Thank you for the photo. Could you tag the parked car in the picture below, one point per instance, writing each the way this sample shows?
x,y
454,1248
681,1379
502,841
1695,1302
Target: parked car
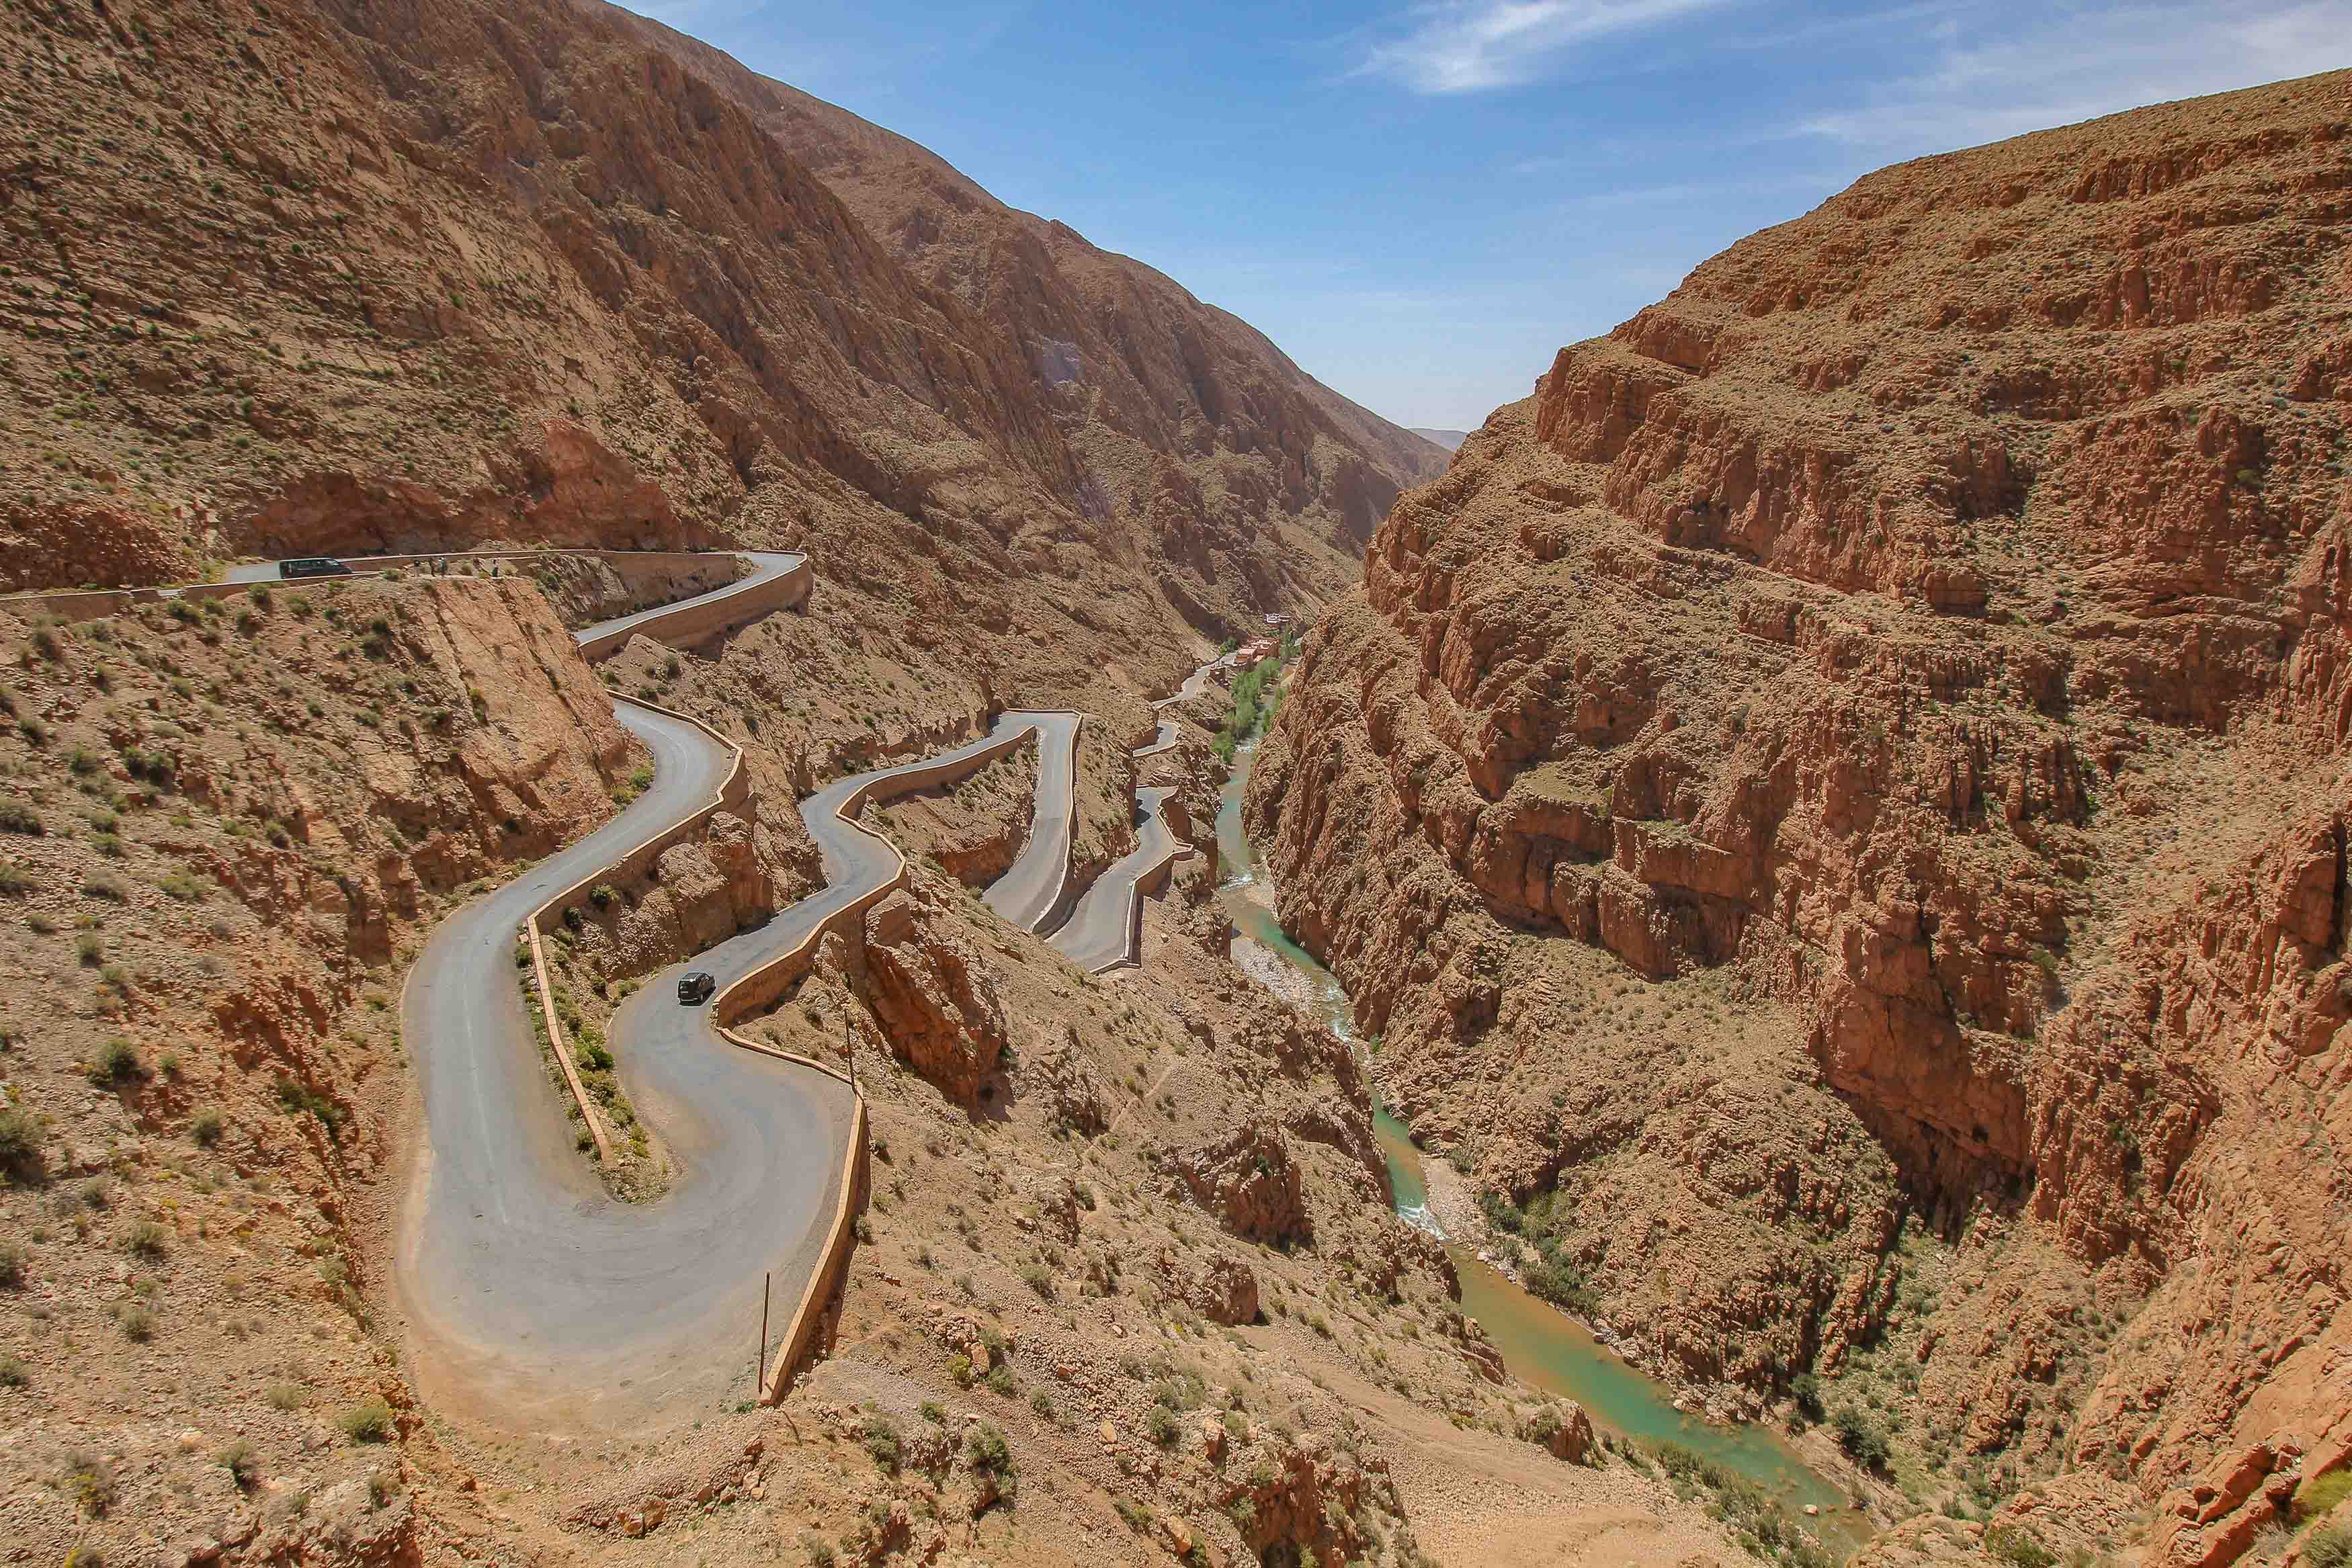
x,y
313,566
695,986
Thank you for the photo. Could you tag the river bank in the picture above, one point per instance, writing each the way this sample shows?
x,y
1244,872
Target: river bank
x,y
1539,1344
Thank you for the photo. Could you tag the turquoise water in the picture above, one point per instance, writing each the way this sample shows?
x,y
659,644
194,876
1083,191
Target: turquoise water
x,y
1540,1344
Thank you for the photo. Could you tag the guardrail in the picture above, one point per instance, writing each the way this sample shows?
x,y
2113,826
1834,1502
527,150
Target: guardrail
x,y
757,988
90,603
1058,908
1151,880
732,792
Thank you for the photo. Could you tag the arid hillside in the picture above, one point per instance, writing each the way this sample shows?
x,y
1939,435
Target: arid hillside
x,y
334,276
1836,805
1185,418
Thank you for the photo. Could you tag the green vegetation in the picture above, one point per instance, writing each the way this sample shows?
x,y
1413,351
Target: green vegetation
x,y
297,1099
2315,1498
1160,1426
92,1481
2008,1544
244,1466
1257,693
20,1145
206,1125
369,1421
147,1240
882,1441
15,817
117,1062
1554,1277
987,1452
1761,1526
1865,1441
2328,1547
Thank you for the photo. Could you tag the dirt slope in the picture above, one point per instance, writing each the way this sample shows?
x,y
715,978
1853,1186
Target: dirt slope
x,y
1889,695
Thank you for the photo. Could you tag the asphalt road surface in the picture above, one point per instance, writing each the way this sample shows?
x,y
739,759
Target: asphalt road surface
x,y
1033,891
765,565
541,1299
1098,935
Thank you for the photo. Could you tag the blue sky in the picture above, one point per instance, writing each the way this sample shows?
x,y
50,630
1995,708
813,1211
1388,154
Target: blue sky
x,y
1422,201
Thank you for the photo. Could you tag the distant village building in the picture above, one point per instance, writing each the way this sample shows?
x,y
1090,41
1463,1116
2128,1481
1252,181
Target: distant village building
x,y
1249,653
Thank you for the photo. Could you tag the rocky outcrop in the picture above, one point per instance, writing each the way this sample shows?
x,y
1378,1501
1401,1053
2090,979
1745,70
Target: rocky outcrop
x,y
698,894
1219,1287
934,997
1562,1429
1249,1181
75,545
1314,1498
1061,1070
1861,746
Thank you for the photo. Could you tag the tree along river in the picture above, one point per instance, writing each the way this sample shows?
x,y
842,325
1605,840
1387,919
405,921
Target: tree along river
x,y
1539,1344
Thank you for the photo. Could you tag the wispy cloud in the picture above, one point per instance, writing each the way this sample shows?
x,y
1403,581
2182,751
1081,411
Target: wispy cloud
x,y
1709,193
1472,46
1995,70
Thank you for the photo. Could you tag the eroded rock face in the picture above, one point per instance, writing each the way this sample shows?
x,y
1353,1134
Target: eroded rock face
x,y
1063,1071
700,894
1249,1180
77,545
1864,741
1220,1288
1564,1430
932,994
1312,1499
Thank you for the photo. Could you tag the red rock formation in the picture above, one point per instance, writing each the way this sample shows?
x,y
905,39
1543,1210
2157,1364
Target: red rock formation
x,y
1865,739
934,997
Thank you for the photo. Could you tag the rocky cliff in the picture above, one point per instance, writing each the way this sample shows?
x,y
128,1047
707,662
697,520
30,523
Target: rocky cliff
x,y
1837,802
337,277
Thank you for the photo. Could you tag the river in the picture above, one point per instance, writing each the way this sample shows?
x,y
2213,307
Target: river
x,y
1539,1344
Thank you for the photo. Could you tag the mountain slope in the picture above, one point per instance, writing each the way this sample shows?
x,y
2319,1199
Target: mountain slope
x,y
1184,416
1836,803
429,272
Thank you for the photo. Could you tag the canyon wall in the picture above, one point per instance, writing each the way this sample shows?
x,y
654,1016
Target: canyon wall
x,y
1836,803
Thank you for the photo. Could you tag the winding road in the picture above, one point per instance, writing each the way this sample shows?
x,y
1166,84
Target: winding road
x,y
1101,933
541,1299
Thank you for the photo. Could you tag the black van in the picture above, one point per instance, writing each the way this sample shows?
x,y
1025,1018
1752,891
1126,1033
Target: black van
x,y
695,986
313,566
